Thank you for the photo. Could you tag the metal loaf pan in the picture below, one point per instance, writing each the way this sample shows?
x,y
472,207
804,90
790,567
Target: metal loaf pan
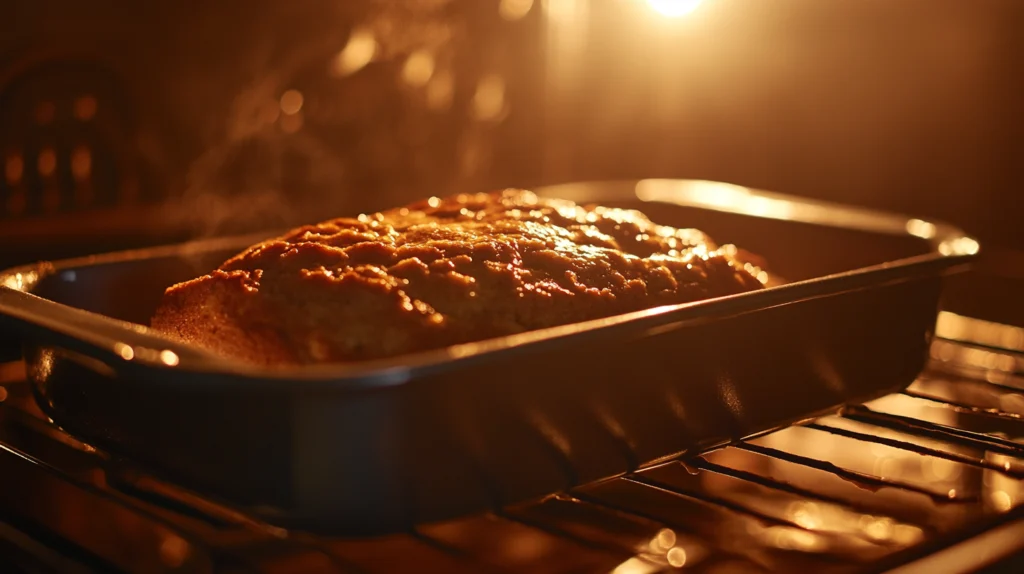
x,y
372,447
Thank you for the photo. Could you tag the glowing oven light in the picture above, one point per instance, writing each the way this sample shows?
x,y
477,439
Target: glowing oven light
x,y
674,8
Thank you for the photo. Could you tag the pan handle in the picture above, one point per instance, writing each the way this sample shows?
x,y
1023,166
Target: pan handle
x,y
32,318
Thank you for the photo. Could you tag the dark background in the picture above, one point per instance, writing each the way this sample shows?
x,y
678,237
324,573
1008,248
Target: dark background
x,y
910,106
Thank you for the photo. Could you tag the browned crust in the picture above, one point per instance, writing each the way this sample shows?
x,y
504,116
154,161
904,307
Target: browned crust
x,y
442,272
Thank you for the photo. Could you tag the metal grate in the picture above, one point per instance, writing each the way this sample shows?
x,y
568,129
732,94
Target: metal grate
x,y
869,488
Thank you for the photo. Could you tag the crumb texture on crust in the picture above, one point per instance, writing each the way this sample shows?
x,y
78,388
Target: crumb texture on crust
x,y
440,272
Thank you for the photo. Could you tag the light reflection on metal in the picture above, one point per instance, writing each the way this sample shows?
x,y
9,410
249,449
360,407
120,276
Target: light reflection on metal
x,y
746,201
1001,493
880,529
1012,403
555,437
959,246
922,229
826,371
44,367
754,270
676,557
357,53
1001,500
674,8
636,565
675,405
960,328
610,423
663,541
713,194
126,351
906,535
169,358
805,514
998,366
789,538
18,281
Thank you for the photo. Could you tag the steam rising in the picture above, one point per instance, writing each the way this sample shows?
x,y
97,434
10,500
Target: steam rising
x,y
300,143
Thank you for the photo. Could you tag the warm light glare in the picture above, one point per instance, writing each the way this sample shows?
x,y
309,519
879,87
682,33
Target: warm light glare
x,y
960,328
676,557
127,353
674,8
291,102
418,68
1001,500
360,50
959,246
636,565
169,358
920,228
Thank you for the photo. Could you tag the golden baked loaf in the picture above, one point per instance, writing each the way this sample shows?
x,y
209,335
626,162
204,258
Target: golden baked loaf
x,y
441,272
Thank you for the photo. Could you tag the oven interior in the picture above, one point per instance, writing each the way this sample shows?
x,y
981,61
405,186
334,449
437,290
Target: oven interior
x,y
131,124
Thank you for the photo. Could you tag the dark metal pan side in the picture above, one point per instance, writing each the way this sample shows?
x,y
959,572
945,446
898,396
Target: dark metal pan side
x,y
373,447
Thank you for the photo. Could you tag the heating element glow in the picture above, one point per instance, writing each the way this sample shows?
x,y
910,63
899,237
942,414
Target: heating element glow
x,y
674,8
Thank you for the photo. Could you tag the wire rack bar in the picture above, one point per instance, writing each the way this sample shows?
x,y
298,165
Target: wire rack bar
x,y
933,430
920,449
862,479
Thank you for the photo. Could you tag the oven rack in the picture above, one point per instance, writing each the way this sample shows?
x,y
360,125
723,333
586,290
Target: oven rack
x,y
912,477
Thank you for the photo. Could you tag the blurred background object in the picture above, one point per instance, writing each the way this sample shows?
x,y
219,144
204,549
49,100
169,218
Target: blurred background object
x,y
125,123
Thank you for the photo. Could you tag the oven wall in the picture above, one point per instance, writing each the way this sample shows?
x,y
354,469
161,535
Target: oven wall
x,y
912,106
